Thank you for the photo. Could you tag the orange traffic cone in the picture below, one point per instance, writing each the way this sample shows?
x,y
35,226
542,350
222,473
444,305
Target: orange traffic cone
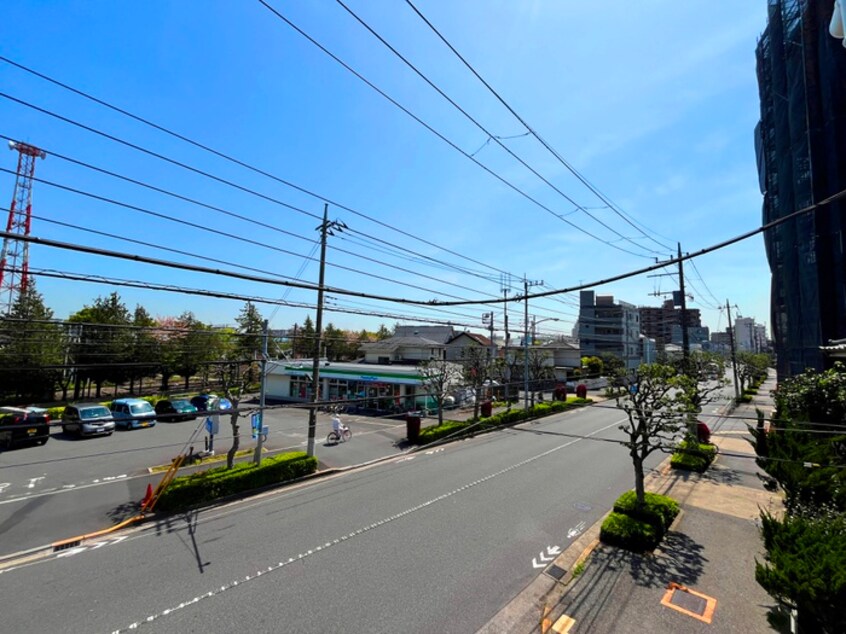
x,y
148,496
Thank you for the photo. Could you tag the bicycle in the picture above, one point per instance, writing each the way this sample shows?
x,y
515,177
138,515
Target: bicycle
x,y
335,437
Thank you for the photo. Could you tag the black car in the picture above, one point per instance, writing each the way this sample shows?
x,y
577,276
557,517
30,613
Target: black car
x,y
20,426
177,409
208,402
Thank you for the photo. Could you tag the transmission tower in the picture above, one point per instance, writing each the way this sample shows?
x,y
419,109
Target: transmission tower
x,y
14,258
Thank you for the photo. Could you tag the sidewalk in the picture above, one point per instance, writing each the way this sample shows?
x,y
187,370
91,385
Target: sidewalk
x,y
710,551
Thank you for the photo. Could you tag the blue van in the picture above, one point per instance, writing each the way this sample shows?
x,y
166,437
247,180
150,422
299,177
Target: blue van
x,y
132,413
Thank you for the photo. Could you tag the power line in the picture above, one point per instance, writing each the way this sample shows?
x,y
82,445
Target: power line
x,y
241,163
500,178
531,131
489,134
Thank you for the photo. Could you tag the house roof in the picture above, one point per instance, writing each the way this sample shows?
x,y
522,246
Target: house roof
x,y
480,339
561,345
393,343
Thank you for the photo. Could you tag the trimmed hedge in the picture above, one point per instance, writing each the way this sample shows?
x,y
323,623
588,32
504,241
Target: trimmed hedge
x,y
693,456
206,486
659,511
508,417
436,432
743,398
626,532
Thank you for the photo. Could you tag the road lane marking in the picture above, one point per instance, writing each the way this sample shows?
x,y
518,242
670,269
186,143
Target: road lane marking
x,y
285,562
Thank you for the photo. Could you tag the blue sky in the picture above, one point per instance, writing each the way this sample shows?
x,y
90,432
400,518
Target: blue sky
x,y
655,103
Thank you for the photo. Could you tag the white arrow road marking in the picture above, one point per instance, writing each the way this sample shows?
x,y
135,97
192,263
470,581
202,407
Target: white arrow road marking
x,y
544,557
72,551
431,451
4,486
553,550
32,482
576,530
535,564
406,458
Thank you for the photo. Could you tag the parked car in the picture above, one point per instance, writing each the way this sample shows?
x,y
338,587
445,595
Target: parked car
x,y
209,402
87,419
23,425
177,409
132,413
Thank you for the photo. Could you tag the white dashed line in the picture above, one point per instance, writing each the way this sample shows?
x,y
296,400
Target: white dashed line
x,y
413,509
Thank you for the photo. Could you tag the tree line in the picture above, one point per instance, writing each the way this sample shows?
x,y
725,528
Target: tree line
x,y
105,342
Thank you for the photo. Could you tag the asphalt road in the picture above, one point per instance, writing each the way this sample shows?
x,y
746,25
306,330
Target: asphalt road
x,y
73,486
435,541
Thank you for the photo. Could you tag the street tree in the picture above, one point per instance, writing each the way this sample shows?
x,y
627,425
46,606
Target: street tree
x,y
705,372
656,410
540,370
438,377
477,370
234,379
751,365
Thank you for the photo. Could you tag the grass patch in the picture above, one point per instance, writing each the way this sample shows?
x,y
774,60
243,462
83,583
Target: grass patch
x,y
693,456
206,486
578,569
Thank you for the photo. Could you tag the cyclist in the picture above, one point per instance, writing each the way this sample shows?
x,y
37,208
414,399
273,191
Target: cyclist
x,y
337,426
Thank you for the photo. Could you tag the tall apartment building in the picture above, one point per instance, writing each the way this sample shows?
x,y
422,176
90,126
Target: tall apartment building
x,y
609,327
750,336
658,323
800,142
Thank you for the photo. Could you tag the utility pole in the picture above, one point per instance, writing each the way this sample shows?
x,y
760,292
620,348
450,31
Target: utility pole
x,y
488,320
325,229
733,352
262,395
504,285
526,285
685,333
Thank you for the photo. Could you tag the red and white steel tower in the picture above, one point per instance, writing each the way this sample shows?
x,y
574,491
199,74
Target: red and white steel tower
x,y
14,258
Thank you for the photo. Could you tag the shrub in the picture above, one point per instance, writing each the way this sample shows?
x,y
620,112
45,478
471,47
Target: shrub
x,y
436,432
693,456
659,511
743,398
626,532
206,486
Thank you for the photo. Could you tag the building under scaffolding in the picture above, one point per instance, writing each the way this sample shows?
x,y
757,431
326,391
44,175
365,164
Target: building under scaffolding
x,y
801,148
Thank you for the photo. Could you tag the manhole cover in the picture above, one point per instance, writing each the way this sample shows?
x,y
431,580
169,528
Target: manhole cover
x,y
555,572
582,506
689,602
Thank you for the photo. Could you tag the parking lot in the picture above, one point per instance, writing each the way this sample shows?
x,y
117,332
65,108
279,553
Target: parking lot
x,y
73,485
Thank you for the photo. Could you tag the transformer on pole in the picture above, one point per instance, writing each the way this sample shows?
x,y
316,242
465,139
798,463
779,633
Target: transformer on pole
x,y
14,258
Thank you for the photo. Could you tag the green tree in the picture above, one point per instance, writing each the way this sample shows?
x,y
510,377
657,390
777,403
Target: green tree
x,y
29,344
612,365
806,549
384,333
305,339
103,350
656,410
144,349
804,568
250,327
592,367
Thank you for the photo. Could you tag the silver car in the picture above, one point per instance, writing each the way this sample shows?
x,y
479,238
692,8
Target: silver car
x,y
87,419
